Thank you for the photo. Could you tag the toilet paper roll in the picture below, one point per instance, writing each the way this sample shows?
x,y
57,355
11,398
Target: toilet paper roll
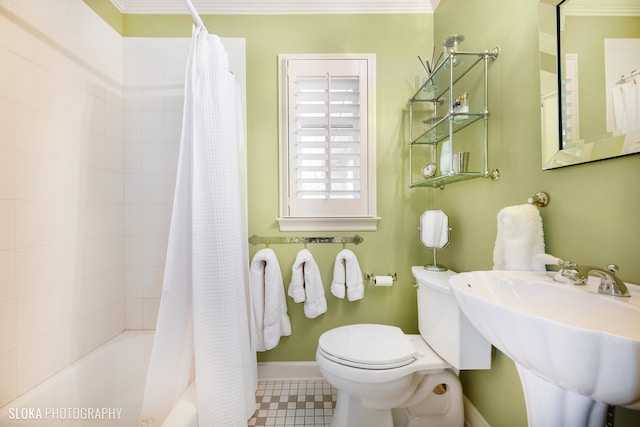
x,y
382,280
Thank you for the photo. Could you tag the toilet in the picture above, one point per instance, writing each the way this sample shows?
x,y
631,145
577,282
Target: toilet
x,y
386,378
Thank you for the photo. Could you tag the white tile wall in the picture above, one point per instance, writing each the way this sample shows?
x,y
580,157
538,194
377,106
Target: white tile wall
x,y
90,127
154,83
62,227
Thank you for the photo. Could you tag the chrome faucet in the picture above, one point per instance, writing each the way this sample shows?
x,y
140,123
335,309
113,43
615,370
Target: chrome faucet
x,y
610,284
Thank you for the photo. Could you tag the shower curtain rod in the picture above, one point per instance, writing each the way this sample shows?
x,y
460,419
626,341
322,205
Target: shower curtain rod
x,y
623,78
194,13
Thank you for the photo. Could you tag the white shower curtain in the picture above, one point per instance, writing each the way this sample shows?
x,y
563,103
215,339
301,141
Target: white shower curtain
x,y
203,324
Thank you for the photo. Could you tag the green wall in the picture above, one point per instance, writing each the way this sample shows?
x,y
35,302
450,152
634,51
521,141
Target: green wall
x,y
594,209
593,214
394,247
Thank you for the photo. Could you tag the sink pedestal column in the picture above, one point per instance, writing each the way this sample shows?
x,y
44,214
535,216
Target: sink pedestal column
x,y
551,406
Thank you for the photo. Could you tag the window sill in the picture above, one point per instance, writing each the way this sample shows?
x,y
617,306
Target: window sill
x,y
328,224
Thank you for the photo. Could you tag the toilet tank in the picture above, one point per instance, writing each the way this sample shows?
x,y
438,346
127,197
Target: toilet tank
x,y
443,325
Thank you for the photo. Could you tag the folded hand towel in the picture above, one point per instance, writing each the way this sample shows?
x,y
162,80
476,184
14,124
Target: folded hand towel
x,y
306,285
296,286
519,239
346,271
339,278
269,303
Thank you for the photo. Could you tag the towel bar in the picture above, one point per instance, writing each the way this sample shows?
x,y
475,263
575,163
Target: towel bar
x,y
258,240
540,199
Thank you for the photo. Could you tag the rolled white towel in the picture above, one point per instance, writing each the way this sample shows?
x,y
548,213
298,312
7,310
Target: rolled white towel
x,y
296,286
339,278
306,285
346,271
269,304
519,239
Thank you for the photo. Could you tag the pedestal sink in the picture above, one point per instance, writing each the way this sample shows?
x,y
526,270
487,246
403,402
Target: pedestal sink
x,y
576,351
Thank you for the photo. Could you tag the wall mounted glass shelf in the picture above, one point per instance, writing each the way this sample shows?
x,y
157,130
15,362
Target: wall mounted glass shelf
x,y
442,79
440,129
432,128
440,181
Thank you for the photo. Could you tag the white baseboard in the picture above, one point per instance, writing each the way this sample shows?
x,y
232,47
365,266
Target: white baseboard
x,y
288,370
473,418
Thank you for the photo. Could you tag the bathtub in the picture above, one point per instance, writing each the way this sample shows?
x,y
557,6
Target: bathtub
x,y
104,388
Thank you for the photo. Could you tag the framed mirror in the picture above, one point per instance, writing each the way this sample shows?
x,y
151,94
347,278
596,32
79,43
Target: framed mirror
x,y
589,80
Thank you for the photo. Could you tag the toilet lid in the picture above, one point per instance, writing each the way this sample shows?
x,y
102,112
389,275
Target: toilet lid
x,y
368,346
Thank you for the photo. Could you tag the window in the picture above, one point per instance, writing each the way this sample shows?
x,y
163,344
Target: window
x,y
327,139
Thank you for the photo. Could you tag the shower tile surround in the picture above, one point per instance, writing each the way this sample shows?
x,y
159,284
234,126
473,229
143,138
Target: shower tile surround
x,y
89,142
153,98
88,151
62,241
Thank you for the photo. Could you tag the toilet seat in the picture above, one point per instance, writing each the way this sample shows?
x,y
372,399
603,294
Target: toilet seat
x,y
367,346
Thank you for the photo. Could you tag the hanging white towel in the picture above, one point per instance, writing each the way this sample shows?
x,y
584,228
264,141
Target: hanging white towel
x,y
346,271
306,285
626,106
519,239
269,303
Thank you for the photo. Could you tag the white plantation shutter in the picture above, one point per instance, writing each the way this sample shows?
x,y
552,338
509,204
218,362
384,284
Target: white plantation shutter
x,y
328,155
326,135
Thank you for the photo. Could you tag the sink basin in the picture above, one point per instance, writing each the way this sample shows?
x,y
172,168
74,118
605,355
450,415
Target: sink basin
x,y
576,351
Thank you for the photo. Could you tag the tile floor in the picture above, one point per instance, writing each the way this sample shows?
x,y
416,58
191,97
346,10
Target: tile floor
x,y
308,403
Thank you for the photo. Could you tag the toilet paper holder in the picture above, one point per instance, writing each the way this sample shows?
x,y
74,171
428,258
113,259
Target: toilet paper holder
x,y
371,277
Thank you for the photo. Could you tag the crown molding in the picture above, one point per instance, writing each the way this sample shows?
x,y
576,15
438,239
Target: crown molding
x,y
276,7
284,7
548,43
119,4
